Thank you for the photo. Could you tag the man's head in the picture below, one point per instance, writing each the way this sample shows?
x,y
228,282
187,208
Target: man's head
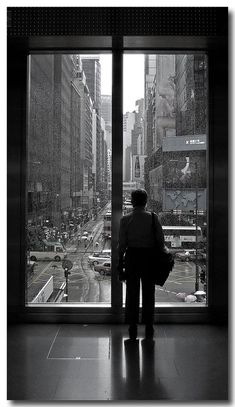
x,y
139,197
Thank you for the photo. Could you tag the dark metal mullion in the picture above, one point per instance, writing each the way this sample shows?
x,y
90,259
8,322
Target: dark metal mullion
x,y
117,159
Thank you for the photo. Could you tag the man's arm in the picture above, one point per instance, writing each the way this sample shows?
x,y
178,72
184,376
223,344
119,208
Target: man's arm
x,y
159,233
122,245
122,241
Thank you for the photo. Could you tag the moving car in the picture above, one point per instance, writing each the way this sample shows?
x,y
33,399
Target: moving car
x,y
103,268
84,236
97,258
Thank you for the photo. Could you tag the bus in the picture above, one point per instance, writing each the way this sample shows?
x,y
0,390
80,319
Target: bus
x,y
182,237
107,225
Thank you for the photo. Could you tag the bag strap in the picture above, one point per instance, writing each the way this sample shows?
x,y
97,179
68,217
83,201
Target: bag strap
x,y
127,226
154,228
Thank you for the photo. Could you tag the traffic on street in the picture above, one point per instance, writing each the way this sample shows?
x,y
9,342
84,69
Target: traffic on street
x,y
89,280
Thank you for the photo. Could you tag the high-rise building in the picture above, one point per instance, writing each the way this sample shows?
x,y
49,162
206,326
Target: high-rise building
x,y
106,109
60,140
83,195
179,123
159,115
191,94
62,122
128,164
109,165
49,143
150,68
138,128
76,168
163,100
41,181
103,184
92,69
128,126
106,113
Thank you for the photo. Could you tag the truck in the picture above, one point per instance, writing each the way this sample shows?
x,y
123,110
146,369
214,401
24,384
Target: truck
x,y
48,251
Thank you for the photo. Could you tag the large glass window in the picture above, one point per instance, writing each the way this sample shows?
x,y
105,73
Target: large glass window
x,y
165,134
69,159
69,179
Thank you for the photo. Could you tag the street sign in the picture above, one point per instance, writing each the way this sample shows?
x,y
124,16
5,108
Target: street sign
x,y
67,264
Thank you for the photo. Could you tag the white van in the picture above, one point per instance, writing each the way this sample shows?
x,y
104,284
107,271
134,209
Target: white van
x,y
50,251
106,251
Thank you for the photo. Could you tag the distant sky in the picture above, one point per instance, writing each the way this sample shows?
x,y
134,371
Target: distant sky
x,y
133,78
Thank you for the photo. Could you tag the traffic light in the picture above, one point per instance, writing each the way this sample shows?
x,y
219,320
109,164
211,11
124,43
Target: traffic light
x,y
66,273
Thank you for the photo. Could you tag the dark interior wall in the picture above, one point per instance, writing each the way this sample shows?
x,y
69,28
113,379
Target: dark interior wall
x,y
16,132
34,29
218,183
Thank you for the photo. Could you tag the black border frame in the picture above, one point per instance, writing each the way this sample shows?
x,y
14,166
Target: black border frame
x,y
210,37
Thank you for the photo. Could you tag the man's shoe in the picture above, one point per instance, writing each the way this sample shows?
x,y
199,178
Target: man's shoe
x,y
149,331
133,332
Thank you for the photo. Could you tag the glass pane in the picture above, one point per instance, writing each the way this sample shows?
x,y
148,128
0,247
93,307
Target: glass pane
x,y
69,179
165,130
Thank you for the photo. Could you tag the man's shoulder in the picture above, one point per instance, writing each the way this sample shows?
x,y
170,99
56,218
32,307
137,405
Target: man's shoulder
x,y
149,213
154,214
127,217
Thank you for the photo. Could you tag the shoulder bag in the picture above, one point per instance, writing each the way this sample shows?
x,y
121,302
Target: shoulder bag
x,y
162,259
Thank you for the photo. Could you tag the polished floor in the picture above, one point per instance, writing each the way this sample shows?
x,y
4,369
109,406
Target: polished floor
x,y
98,362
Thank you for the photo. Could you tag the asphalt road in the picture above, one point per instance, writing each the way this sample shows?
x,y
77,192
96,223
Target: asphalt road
x,y
87,286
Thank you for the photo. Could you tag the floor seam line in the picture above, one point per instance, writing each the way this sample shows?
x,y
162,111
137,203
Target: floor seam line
x,y
53,343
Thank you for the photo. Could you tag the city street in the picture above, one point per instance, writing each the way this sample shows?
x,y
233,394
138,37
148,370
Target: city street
x,y
87,286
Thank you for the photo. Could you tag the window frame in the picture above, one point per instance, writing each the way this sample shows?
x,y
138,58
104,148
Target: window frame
x,y
216,49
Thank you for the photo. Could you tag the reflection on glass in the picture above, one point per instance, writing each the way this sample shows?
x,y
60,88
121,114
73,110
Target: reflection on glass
x,y
165,127
69,179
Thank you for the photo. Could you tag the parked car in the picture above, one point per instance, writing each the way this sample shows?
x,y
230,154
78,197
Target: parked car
x,y
97,258
186,255
103,268
189,255
106,251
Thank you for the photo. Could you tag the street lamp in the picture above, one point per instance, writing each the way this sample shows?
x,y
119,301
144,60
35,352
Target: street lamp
x,y
196,219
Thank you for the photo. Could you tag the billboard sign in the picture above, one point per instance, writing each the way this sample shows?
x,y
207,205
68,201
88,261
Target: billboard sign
x,y
138,167
155,184
184,199
185,170
185,143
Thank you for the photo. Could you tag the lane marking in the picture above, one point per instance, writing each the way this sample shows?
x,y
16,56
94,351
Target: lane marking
x,y
43,271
